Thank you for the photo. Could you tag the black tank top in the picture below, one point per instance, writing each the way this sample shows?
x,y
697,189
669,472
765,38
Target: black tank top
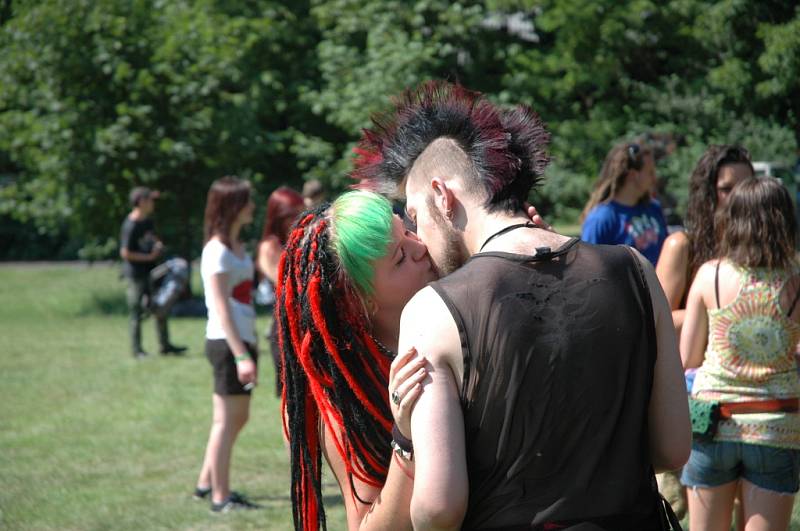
x,y
559,354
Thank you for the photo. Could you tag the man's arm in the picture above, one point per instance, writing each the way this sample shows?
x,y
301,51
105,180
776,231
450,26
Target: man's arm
x,y
439,500
133,256
670,431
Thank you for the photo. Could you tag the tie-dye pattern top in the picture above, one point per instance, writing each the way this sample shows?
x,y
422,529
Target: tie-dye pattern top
x,y
751,356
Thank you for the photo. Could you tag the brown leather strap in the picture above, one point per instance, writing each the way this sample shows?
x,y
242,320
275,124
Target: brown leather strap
x,y
787,405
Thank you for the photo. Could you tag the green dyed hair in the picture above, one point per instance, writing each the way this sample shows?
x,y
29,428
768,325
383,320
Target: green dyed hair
x,y
361,225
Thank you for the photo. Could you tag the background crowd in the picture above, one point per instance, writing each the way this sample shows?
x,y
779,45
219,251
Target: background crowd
x,y
657,115
744,224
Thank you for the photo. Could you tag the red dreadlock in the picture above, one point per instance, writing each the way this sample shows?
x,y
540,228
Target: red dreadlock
x,y
333,370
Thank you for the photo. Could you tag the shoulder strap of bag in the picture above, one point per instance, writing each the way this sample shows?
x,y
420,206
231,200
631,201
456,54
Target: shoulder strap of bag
x,y
669,520
794,303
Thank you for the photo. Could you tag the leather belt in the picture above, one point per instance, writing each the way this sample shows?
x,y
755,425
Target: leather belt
x,y
786,405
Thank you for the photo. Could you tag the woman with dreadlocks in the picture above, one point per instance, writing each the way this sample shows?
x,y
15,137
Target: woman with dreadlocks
x,y
347,271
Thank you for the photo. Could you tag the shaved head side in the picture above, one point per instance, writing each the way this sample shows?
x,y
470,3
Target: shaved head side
x,y
444,158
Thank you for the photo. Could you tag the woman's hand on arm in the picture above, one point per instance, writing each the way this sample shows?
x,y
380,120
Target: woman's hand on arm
x,y
390,506
245,367
405,384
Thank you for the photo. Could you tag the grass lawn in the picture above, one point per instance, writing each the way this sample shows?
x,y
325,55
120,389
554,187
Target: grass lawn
x,y
92,439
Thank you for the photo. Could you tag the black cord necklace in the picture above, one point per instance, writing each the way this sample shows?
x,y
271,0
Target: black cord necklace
x,y
502,231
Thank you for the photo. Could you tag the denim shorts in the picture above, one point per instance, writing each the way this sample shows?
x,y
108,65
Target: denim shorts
x,y
716,463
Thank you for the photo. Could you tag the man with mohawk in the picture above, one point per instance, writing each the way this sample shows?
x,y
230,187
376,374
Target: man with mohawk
x,y
555,387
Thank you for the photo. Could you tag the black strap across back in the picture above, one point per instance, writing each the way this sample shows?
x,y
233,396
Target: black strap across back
x,y
716,292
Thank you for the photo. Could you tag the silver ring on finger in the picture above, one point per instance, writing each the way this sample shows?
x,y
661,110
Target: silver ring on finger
x,y
395,397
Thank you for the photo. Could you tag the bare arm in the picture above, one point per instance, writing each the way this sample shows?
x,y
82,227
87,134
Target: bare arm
x,y
437,425
269,256
218,283
386,508
668,413
695,331
131,256
673,264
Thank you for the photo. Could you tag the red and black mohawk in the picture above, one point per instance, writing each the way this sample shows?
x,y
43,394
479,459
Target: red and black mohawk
x,y
334,374
507,148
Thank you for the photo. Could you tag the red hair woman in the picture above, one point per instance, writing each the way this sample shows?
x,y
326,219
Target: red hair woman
x,y
284,205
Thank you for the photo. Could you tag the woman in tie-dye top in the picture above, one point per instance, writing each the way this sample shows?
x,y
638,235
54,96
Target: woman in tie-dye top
x,y
741,329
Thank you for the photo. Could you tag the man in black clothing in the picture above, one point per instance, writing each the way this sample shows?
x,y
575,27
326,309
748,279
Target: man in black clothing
x,y
554,384
139,249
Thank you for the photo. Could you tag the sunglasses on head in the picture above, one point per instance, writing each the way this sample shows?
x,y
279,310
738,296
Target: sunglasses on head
x,y
634,156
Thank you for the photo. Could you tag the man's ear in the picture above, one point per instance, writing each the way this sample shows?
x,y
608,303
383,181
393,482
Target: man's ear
x,y
443,197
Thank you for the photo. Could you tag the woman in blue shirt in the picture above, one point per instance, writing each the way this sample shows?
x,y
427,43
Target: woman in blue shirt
x,y
621,209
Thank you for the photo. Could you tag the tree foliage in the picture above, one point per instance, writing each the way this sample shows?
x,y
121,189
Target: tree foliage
x,y
97,96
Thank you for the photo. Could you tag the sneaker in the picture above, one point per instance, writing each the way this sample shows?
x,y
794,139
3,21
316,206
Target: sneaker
x,y
140,354
201,494
234,502
173,349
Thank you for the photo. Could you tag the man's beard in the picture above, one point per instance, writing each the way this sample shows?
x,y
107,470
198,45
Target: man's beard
x,y
454,254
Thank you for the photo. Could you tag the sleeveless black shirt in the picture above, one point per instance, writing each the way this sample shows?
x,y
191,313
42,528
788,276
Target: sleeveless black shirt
x,y
559,354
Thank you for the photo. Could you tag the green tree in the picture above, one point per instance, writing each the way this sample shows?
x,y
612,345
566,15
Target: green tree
x,y
98,96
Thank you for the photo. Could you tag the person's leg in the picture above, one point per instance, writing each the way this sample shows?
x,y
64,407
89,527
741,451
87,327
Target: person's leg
x,y
769,483
711,477
160,319
765,510
204,479
135,293
162,330
163,333
710,509
230,415
738,510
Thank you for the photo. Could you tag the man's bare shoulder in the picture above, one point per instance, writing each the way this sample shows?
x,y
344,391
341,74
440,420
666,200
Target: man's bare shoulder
x,y
426,314
428,325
